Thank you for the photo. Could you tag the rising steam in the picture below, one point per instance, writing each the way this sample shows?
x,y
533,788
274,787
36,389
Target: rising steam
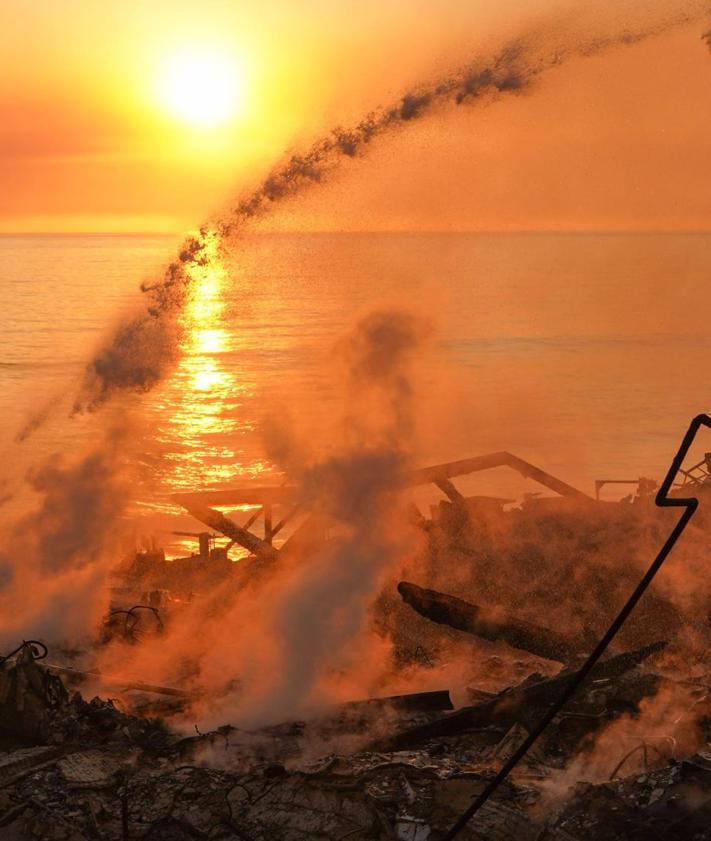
x,y
58,555
291,636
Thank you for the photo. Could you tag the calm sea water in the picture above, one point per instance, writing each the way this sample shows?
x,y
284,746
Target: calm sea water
x,y
586,354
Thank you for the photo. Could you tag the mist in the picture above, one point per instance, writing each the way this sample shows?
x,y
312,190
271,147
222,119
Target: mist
x,y
297,634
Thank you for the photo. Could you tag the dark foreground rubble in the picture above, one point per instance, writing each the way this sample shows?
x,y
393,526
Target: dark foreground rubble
x,y
73,769
673,802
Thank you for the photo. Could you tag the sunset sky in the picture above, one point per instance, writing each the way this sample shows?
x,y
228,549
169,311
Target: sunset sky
x,y
148,116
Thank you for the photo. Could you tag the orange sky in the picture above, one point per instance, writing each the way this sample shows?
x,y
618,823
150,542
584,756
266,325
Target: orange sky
x,y
87,143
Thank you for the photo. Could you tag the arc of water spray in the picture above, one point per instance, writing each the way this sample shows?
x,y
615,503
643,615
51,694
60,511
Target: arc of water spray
x,y
144,350
511,71
662,500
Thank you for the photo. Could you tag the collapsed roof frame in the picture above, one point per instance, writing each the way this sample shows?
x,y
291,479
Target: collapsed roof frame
x,y
199,504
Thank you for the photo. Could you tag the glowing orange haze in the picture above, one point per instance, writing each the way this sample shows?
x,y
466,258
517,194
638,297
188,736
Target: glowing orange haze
x,y
88,142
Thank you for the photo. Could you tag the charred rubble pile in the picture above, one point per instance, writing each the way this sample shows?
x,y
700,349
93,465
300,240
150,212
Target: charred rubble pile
x,y
72,769
526,592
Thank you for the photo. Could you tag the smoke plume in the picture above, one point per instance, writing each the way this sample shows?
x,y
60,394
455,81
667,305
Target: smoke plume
x,y
298,635
56,558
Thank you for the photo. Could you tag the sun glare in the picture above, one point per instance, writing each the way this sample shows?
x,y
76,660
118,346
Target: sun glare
x,y
202,88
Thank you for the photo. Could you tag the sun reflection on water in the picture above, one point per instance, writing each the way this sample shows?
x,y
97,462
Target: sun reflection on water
x,y
199,419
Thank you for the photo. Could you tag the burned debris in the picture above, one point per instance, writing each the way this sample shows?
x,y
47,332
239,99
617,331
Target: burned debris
x,y
522,704
103,774
88,754
459,614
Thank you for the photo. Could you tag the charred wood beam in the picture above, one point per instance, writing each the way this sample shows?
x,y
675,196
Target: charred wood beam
x,y
286,494
415,517
421,701
113,682
512,705
487,462
448,489
253,518
456,613
279,495
285,519
217,521
268,532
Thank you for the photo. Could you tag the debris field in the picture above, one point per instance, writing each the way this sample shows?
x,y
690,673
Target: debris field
x,y
520,594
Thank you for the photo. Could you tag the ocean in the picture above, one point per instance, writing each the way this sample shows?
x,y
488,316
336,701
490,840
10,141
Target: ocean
x,y
582,353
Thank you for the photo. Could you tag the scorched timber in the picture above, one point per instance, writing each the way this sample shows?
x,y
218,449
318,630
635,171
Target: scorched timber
x,y
217,521
422,701
449,610
512,705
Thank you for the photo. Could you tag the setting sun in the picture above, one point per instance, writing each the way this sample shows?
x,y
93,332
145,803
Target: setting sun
x,y
202,88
